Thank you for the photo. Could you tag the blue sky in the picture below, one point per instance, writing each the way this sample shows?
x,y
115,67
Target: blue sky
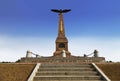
x,y
30,25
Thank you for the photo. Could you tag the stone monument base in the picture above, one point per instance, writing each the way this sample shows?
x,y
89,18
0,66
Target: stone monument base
x,y
58,54
52,59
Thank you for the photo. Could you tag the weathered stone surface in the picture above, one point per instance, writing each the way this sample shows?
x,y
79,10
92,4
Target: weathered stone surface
x,y
65,60
67,72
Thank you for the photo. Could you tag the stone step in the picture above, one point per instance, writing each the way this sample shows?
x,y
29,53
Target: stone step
x,y
89,66
69,80
66,73
65,65
67,77
91,71
66,69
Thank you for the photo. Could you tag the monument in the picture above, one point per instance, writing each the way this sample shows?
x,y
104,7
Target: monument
x,y
61,53
61,41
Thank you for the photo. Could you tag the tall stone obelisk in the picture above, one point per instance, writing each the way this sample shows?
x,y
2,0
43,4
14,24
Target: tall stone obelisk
x,y
61,41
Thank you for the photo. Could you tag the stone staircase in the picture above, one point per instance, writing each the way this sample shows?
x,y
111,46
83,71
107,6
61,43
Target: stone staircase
x,y
67,72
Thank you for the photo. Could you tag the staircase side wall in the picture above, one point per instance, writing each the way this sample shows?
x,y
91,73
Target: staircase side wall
x,y
34,72
101,72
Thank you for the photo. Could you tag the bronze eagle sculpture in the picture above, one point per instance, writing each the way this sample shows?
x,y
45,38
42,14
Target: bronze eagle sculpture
x,y
60,10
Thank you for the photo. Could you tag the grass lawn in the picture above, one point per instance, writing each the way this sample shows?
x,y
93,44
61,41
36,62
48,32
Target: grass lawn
x,y
112,70
15,72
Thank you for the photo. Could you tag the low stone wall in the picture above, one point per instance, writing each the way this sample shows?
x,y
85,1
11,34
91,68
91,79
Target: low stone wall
x,y
62,59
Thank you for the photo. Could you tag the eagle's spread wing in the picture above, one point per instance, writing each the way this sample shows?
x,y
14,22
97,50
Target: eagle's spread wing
x,y
55,10
66,10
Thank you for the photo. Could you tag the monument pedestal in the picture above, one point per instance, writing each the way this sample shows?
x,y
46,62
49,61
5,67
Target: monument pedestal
x,y
71,59
59,54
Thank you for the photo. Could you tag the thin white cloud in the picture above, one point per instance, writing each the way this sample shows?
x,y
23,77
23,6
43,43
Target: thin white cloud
x,y
108,48
13,48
